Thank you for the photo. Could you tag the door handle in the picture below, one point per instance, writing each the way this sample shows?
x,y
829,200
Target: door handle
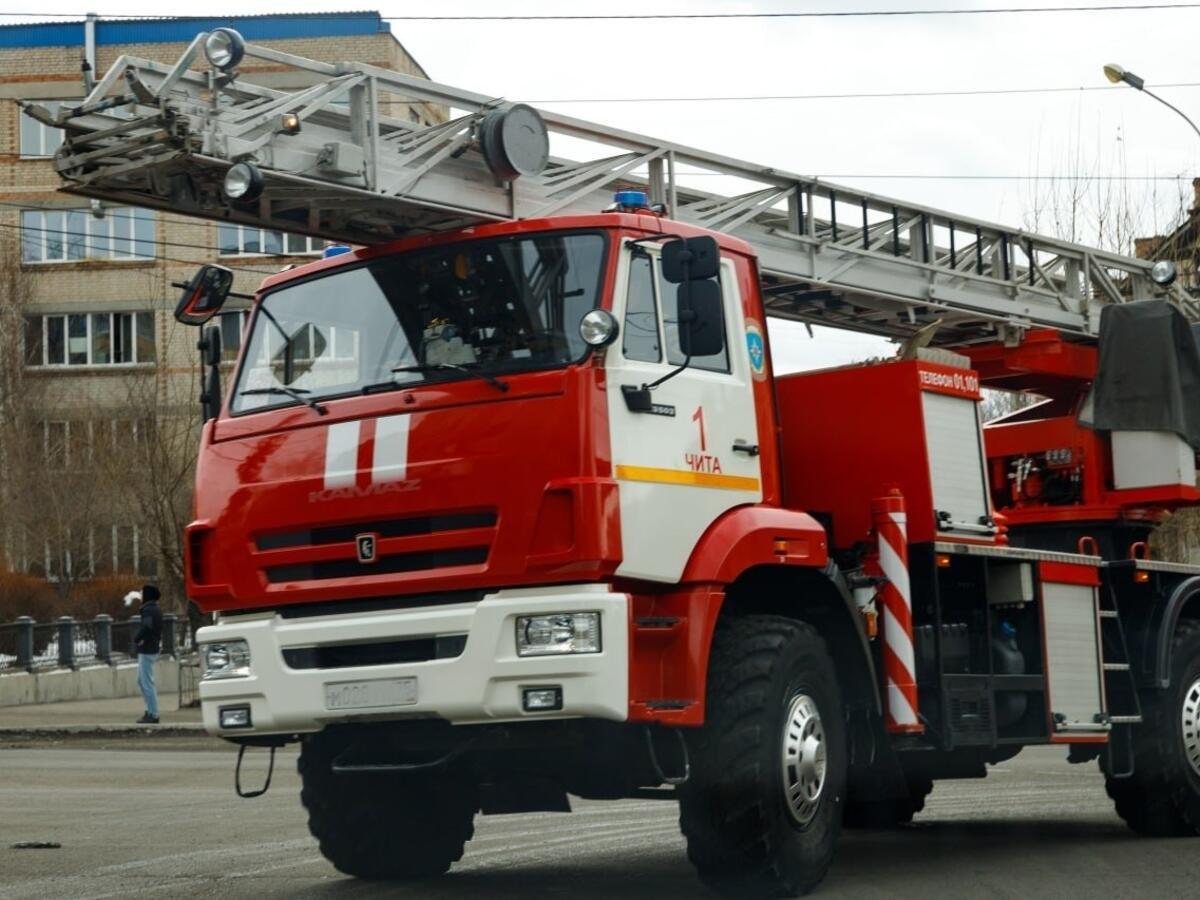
x,y
740,446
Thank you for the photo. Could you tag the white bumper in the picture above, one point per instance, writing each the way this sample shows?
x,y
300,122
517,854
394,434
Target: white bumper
x,y
483,684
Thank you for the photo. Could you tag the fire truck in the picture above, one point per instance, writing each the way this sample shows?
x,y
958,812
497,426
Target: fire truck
x,y
508,504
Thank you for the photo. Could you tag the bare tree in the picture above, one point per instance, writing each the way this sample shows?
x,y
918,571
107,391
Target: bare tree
x,y
154,468
1093,197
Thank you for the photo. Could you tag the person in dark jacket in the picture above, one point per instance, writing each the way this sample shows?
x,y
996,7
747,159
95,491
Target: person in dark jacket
x,y
148,641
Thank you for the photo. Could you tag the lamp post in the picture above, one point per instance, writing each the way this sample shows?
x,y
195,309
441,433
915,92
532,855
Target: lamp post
x,y
1117,75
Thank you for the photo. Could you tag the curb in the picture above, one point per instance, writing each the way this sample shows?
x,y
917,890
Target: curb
x,y
63,731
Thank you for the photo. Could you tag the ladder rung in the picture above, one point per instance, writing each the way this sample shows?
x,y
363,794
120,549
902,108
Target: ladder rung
x,y
1116,667
1125,720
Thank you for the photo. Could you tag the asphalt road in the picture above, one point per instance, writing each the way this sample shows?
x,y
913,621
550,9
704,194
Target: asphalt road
x,y
165,822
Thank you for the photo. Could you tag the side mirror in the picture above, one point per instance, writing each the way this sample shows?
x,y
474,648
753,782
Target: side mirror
x,y
690,259
701,323
210,356
204,295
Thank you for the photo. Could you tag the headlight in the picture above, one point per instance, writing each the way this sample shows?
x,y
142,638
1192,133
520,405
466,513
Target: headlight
x,y
224,48
598,328
225,659
558,634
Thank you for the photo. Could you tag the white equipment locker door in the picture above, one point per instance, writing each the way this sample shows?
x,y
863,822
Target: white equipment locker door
x,y
956,462
676,467
1073,661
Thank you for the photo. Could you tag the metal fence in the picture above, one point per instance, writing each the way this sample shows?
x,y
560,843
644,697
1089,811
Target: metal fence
x,y
8,648
67,643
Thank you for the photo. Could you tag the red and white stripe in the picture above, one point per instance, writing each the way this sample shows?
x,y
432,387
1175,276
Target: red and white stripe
x,y
895,598
368,451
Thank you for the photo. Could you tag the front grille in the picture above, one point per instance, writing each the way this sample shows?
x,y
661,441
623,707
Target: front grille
x,y
385,565
376,604
385,528
379,653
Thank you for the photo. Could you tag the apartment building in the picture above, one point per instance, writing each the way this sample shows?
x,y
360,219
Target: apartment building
x,y
98,362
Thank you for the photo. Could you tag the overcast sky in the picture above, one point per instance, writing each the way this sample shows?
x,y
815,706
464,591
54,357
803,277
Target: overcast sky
x,y
865,143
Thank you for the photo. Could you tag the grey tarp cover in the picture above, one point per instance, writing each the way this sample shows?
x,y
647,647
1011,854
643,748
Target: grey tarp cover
x,y
1149,372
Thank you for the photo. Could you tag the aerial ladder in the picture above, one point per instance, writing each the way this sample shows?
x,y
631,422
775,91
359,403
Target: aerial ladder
x,y
334,164
999,593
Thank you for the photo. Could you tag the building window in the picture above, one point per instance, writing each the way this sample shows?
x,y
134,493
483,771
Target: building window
x,y
71,235
91,339
131,552
245,240
38,140
77,444
233,326
105,550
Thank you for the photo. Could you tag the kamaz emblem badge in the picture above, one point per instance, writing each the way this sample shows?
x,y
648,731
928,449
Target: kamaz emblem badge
x,y
367,545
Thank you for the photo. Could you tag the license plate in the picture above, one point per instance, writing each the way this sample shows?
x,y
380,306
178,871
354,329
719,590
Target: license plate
x,y
371,694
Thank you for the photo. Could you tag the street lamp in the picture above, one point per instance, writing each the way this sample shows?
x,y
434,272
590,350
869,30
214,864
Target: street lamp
x,y
1116,75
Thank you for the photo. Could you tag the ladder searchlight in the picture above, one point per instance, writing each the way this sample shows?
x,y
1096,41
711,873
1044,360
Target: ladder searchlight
x,y
513,140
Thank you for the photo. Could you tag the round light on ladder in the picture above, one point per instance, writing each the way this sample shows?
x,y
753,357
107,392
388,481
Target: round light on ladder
x,y
514,142
598,328
224,48
243,182
1163,273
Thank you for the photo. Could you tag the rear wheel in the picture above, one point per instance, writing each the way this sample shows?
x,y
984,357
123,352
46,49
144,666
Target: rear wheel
x,y
1162,799
384,826
762,809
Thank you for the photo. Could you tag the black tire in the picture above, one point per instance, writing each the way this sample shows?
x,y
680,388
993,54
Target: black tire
x,y
742,835
890,812
383,826
1162,799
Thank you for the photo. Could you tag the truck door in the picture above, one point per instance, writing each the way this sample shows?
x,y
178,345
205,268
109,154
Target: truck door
x,y
676,466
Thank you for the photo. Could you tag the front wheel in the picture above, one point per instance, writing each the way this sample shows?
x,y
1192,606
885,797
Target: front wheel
x,y
762,809
384,826
1162,799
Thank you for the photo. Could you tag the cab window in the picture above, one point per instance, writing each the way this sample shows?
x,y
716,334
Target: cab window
x,y
640,335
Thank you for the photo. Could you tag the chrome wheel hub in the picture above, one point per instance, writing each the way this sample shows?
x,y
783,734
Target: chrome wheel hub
x,y
1191,725
804,758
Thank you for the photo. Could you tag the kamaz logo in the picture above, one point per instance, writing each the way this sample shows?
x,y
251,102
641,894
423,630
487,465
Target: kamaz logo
x,y
367,546
353,492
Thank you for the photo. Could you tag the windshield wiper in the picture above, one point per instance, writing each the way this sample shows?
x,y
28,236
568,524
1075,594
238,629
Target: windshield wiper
x,y
296,394
450,367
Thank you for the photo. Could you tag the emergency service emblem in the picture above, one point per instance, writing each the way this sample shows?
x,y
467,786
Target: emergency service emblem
x,y
757,350
368,547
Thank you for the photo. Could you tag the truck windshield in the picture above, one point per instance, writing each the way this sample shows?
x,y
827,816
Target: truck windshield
x,y
487,307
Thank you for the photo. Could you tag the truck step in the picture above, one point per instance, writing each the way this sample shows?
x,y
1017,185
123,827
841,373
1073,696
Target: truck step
x,y
1116,667
1108,614
1125,720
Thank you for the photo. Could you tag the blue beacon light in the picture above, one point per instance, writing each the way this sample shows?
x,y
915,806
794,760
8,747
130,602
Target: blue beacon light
x,y
631,199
